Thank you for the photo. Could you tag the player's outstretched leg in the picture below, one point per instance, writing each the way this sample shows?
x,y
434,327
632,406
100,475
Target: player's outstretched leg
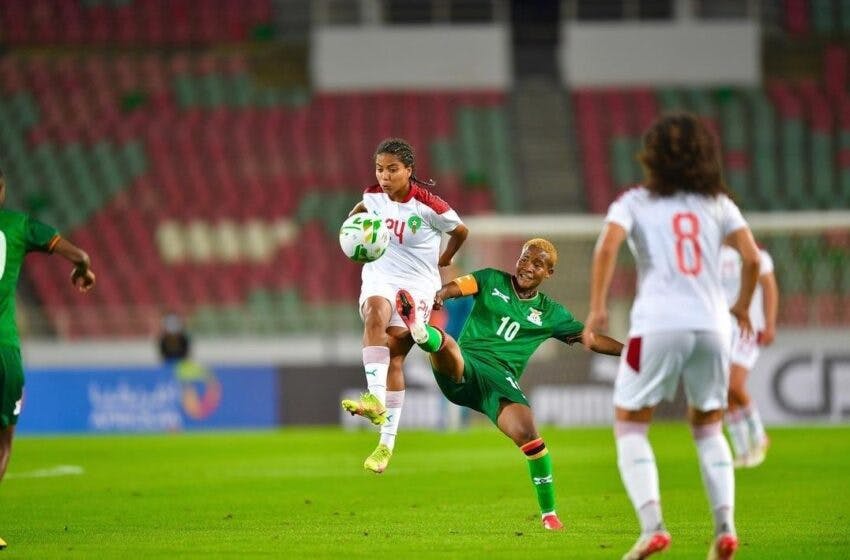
x,y
540,470
425,336
369,407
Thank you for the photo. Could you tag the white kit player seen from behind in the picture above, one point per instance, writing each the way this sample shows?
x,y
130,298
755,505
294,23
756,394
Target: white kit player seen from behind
x,y
679,324
743,421
416,218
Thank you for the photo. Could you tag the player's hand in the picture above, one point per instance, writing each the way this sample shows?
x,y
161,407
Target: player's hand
x,y
83,280
438,300
742,316
767,336
596,321
444,261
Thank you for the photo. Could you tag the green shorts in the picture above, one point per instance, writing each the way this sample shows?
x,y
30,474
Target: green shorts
x,y
484,387
11,385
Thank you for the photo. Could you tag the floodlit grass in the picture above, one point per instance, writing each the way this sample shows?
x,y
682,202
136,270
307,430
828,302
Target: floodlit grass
x,y
302,493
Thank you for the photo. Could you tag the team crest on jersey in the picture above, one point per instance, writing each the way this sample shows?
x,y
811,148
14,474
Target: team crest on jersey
x,y
414,222
499,294
534,316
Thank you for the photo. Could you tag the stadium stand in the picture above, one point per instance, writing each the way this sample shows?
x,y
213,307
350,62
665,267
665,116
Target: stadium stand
x,y
144,130
175,167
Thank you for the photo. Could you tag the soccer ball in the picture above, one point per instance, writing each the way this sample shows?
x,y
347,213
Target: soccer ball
x,y
364,237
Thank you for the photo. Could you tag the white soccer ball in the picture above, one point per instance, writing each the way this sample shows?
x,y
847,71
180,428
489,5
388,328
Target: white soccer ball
x,y
364,237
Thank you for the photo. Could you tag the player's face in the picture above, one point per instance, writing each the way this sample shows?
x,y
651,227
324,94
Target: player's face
x,y
534,266
393,176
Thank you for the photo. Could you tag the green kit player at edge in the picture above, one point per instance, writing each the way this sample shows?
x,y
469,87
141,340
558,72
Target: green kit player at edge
x,y
481,371
19,235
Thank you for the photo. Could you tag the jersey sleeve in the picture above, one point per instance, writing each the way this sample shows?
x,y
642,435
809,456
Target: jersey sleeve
x,y
483,278
40,236
447,221
620,212
732,219
567,327
765,263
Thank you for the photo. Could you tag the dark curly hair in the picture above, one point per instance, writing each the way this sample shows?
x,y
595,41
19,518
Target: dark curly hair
x,y
681,154
402,149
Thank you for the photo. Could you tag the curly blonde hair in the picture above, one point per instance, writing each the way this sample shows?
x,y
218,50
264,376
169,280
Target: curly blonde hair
x,y
543,245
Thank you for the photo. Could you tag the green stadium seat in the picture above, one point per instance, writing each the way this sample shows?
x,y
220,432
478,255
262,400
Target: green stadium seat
x,y
670,99
185,91
733,124
823,18
442,156
845,16
622,156
794,175
823,170
701,102
501,160
240,91
469,143
134,159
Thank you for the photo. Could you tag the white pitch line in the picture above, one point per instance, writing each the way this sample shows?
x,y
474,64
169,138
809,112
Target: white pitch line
x,y
58,470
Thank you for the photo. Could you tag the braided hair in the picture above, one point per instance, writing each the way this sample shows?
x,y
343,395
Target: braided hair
x,y
402,149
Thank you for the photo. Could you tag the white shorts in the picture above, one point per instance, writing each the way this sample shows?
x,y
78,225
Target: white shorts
x,y
652,364
388,290
745,350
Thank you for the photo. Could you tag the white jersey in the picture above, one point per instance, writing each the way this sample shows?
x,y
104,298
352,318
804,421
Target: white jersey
x,y
416,226
676,243
730,275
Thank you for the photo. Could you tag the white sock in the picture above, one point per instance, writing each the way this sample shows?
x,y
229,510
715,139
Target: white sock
x,y
753,419
718,476
395,402
376,362
639,473
739,433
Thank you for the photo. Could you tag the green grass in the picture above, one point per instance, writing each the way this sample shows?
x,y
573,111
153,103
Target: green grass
x,y
302,493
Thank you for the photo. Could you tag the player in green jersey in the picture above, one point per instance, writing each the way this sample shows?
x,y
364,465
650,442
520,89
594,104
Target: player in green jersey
x,y
510,318
19,235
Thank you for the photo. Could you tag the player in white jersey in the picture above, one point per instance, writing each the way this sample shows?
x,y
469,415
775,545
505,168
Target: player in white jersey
x,y
743,421
679,325
416,218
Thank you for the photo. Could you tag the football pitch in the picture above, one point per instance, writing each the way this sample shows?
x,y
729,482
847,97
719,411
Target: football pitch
x,y
302,493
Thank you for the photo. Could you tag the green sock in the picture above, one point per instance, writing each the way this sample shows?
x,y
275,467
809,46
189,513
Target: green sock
x,y
435,340
540,469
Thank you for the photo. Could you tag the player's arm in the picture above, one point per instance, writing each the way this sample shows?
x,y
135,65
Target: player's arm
x,y
770,299
82,276
742,241
604,262
456,238
601,344
465,285
358,208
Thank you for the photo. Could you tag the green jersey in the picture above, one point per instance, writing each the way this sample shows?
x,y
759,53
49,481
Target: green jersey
x,y
504,331
19,234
